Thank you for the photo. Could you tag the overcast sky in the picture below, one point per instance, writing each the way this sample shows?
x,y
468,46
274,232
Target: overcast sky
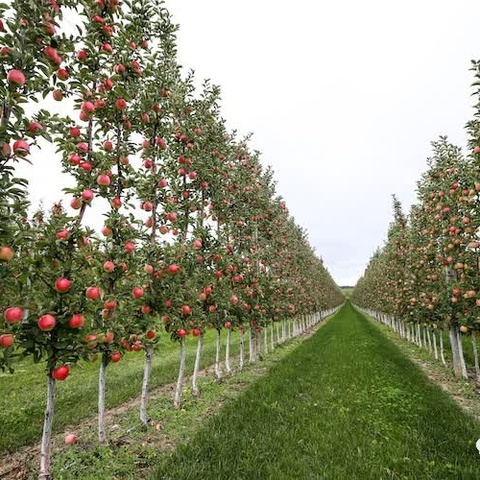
x,y
343,98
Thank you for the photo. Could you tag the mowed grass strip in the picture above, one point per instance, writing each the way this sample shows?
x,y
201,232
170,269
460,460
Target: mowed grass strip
x,y
346,404
23,394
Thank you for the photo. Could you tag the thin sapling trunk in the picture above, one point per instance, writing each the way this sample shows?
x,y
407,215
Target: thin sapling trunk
x,y
102,377
45,469
217,371
177,402
196,369
146,379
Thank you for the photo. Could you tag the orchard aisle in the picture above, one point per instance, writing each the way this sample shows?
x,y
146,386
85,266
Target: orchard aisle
x,y
346,404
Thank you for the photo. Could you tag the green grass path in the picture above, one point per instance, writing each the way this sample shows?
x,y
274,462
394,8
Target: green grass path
x,y
346,404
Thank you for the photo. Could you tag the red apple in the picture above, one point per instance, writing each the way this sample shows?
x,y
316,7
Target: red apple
x,y
63,285
107,145
108,337
137,292
61,373
21,148
115,357
70,439
116,203
35,127
150,334
77,321
6,254
129,247
52,54
196,332
63,234
6,340
103,180
110,305
121,104
76,203
87,107
228,325
148,269
173,269
86,166
87,195
106,47
16,78
62,74
181,332
106,231
46,322
93,293
57,95
109,266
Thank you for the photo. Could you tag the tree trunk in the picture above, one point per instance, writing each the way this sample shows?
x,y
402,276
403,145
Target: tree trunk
x,y
251,345
102,377
258,346
45,473
265,340
434,339
442,352
177,402
429,339
146,380
454,346
217,371
475,358
196,369
227,352
463,367
272,337
242,349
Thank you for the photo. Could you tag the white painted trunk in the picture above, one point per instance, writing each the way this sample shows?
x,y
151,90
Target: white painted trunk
x,y
217,371
272,337
258,341
429,339
454,346
475,358
227,352
265,340
146,380
251,345
196,369
177,401
442,352
45,469
434,340
102,379
242,349
463,366
277,328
